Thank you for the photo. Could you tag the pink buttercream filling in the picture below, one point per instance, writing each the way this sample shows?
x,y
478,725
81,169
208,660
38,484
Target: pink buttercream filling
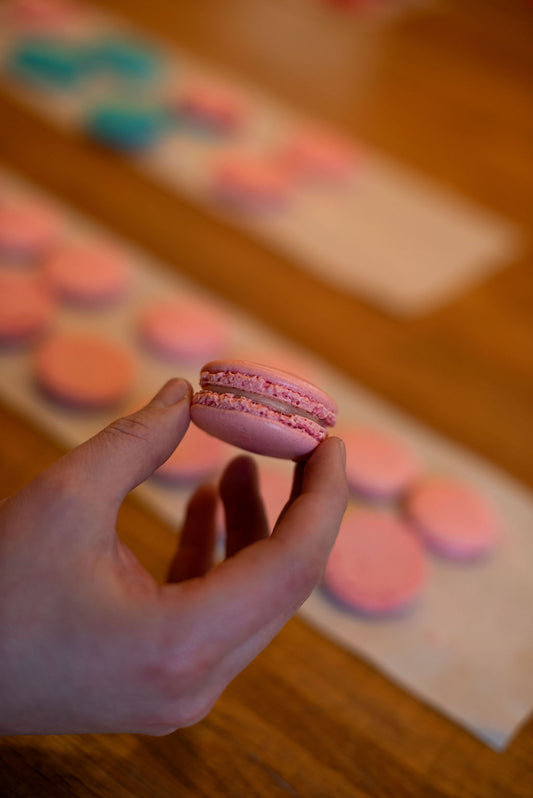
x,y
229,401
260,386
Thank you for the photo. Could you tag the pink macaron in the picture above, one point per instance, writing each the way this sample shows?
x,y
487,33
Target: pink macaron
x,y
88,273
262,409
84,370
379,466
26,306
319,156
210,107
27,231
377,565
183,330
452,518
250,182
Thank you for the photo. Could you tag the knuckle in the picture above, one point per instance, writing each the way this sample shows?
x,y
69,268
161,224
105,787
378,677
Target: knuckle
x,y
128,427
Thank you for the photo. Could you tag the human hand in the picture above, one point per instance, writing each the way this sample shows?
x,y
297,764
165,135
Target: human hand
x,y
89,642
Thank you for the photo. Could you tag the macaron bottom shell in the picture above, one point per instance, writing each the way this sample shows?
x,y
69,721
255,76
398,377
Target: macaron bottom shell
x,y
258,434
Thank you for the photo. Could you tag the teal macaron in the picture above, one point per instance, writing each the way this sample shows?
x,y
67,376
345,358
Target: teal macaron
x,y
126,128
49,61
125,58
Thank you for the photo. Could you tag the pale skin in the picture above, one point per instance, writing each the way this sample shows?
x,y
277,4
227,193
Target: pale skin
x,y
89,641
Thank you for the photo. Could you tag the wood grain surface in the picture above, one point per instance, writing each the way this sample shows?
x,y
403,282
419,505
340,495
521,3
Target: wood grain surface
x,y
450,94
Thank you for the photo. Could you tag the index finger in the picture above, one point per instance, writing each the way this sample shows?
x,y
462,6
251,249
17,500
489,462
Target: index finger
x,y
271,578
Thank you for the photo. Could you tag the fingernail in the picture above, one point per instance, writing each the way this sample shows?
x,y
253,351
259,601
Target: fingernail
x,y
171,393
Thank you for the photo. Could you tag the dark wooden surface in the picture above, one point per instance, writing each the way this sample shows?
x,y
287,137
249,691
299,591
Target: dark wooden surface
x,y
450,95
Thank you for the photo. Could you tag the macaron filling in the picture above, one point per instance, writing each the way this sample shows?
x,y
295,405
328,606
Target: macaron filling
x,y
276,412
260,390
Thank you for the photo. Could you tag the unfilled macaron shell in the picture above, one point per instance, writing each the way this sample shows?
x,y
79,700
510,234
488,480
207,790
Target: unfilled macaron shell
x,y
318,155
452,518
379,466
84,370
197,457
27,231
209,107
183,330
88,273
377,565
26,307
250,182
45,17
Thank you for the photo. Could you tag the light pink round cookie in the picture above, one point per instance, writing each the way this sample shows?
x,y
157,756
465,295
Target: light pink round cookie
x,y
378,465
184,330
26,307
377,565
197,457
88,273
250,182
261,409
453,519
210,106
319,155
84,370
45,17
27,231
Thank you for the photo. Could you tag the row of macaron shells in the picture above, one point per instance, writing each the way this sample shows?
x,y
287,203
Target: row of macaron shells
x,y
44,272
398,514
88,371
240,178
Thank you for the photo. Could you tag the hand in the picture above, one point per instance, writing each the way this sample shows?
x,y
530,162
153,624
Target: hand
x,y
89,642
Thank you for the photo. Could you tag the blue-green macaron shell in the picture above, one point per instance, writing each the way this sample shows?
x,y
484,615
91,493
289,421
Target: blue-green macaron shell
x,y
126,128
48,61
125,58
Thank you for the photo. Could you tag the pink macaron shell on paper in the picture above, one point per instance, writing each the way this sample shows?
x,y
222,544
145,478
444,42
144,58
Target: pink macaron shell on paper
x,y
45,17
319,155
250,182
379,466
210,106
261,409
452,518
184,330
26,306
27,231
198,457
377,566
88,273
84,370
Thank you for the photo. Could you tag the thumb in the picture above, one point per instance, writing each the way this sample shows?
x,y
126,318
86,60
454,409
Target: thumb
x,y
124,454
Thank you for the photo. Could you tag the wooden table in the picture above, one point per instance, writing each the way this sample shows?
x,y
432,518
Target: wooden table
x,y
451,96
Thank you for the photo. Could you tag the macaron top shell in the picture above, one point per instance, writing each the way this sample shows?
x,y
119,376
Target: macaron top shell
x,y
378,465
87,273
452,517
377,564
84,370
26,307
27,230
